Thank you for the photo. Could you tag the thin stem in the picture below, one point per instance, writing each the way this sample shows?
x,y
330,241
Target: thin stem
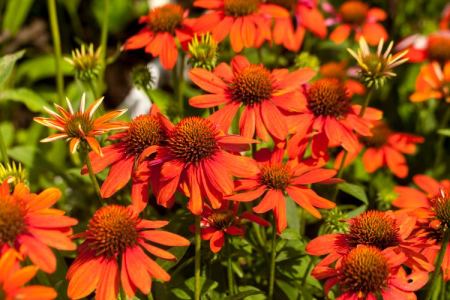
x,y
51,4
104,34
92,88
3,149
443,287
198,253
92,174
366,102
229,269
180,86
438,263
440,144
272,261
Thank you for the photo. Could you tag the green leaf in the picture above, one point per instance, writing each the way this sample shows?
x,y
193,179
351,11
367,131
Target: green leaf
x,y
244,295
290,234
15,15
7,63
162,99
354,190
31,100
187,291
41,67
445,131
292,215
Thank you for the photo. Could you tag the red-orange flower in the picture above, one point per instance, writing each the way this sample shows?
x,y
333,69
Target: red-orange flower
x,y
80,126
115,253
248,22
12,279
164,25
330,118
217,223
355,15
127,158
30,225
384,148
339,71
433,82
366,272
276,178
433,47
383,230
197,160
289,31
264,95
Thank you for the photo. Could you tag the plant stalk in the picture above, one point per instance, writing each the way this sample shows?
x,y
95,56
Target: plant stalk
x,y
198,253
3,149
51,4
440,143
104,33
92,174
230,269
438,263
272,261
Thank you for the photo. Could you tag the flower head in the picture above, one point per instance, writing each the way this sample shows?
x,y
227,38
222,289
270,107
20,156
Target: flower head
x,y
203,52
341,72
13,278
13,173
432,47
80,126
263,94
87,62
116,253
433,82
142,77
164,25
29,225
377,67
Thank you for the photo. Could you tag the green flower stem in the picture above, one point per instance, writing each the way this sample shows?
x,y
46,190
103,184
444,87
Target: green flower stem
x,y
440,143
198,253
443,287
51,4
438,263
91,173
229,269
180,86
104,33
3,149
272,261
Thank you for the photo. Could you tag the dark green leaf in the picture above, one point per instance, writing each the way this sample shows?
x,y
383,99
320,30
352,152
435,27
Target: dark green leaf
x,y
16,13
354,190
7,63
29,98
445,131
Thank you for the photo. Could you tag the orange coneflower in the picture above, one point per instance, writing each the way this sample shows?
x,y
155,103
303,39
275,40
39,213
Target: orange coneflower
x,y
432,82
384,148
248,22
127,158
197,160
29,225
340,71
383,230
331,118
263,94
216,224
80,126
367,272
115,254
12,279
276,178
163,25
289,31
433,47
357,16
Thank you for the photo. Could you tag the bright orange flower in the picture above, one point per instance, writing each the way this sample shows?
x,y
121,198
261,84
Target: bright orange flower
x,y
264,95
383,230
303,14
384,148
248,22
217,223
330,118
339,71
433,82
128,160
163,25
366,272
276,178
357,16
12,279
115,253
30,225
197,160
80,126
433,47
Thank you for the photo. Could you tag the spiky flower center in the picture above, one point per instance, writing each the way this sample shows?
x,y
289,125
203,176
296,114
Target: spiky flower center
x,y
380,135
252,85
328,97
13,173
193,139
79,125
11,220
439,47
288,4
239,8
111,230
221,219
354,12
441,206
144,131
364,270
165,18
275,176
373,228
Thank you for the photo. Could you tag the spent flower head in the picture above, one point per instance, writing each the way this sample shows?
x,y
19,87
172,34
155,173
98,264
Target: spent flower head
x,y
142,77
376,67
13,173
86,61
203,52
